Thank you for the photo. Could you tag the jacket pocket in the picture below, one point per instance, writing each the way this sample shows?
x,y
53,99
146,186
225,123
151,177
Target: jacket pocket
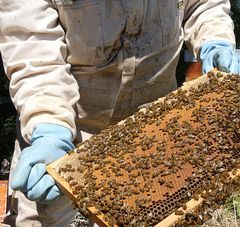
x,y
93,30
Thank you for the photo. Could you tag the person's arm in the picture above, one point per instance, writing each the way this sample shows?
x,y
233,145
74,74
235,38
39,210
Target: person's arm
x,y
42,89
209,34
34,57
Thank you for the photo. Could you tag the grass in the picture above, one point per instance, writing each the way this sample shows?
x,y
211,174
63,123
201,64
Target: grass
x,y
228,215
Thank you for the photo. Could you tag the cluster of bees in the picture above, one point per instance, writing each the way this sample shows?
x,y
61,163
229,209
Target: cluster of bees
x,y
138,172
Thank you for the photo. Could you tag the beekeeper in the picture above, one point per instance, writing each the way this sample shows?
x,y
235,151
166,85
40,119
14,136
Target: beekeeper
x,y
76,66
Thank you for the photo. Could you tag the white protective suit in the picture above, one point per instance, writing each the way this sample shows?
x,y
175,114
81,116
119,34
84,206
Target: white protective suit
x,y
115,54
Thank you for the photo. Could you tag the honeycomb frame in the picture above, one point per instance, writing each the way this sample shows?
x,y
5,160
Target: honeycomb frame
x,y
172,184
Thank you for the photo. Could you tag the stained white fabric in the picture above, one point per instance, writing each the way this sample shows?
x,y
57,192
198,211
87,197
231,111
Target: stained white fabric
x,y
119,54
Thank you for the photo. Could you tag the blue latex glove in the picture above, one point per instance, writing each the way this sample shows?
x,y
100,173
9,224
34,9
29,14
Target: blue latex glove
x,y
221,55
49,142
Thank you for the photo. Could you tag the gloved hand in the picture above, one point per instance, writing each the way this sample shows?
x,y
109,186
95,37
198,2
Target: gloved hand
x,y
49,142
221,55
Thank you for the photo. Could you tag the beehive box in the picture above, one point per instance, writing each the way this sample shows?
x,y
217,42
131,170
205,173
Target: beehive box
x,y
142,171
3,199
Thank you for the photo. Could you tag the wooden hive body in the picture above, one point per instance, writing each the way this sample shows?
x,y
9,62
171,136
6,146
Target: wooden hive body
x,y
142,170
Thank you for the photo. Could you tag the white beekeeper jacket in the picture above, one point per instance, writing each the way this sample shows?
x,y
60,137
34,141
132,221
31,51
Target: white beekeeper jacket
x,y
115,54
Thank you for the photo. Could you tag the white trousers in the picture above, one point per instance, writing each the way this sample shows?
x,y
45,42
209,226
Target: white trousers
x,y
23,212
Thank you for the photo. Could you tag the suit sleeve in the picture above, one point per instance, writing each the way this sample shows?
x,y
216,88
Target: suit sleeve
x,y
34,53
207,20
